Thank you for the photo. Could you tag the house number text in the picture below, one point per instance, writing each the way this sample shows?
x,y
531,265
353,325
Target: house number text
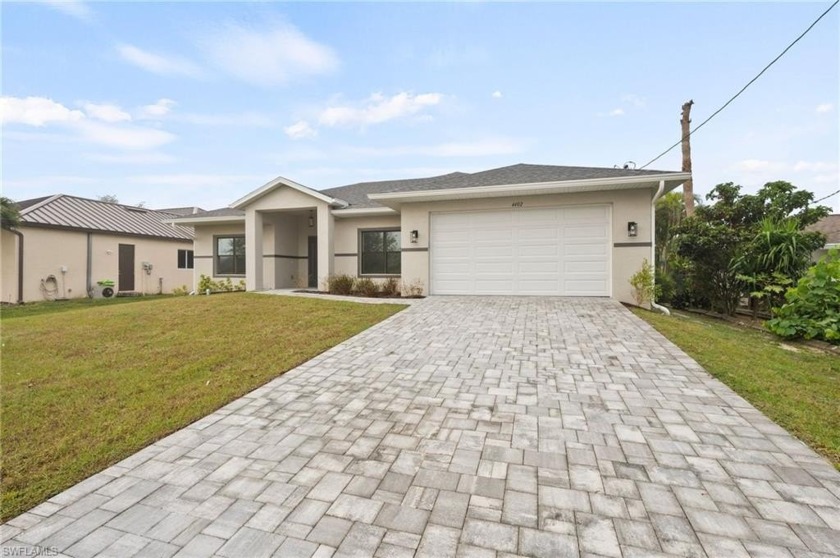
x,y
517,204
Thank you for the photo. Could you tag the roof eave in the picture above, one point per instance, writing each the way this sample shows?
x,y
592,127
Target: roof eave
x,y
214,220
268,187
364,212
395,199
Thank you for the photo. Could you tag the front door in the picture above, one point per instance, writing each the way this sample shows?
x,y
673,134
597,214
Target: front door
x,y
312,256
126,275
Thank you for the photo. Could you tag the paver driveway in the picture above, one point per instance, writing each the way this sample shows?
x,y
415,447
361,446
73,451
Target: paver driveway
x,y
472,427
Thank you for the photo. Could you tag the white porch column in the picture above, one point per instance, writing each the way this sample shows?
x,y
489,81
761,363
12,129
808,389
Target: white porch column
x,y
253,250
326,224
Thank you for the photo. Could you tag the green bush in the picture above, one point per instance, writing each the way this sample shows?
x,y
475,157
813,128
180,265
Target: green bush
x,y
812,310
644,288
341,284
205,283
181,291
367,287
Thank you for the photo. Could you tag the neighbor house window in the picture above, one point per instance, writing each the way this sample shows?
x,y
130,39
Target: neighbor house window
x,y
185,259
230,255
380,253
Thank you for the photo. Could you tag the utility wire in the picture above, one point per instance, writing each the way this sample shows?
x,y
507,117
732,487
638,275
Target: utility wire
x,y
826,197
767,67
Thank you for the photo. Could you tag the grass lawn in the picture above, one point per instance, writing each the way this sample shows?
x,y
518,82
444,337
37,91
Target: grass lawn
x,y
86,386
797,387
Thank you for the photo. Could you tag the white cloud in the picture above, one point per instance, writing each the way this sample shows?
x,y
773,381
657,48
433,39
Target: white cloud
x,y
106,112
634,101
377,109
158,63
825,107
814,166
124,137
157,110
273,56
616,112
496,95
300,130
759,165
35,111
74,8
40,111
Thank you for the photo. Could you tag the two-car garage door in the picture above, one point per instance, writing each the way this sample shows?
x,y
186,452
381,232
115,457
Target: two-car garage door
x,y
561,251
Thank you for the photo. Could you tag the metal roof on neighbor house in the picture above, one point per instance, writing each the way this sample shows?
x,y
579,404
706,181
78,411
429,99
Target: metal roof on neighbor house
x,y
356,194
830,227
91,215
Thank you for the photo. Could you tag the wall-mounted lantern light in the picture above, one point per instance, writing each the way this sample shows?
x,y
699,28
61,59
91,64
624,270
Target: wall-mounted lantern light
x,y
632,228
311,219
414,236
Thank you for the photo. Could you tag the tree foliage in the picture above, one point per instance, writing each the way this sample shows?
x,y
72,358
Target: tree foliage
x,y
747,235
109,198
812,308
9,214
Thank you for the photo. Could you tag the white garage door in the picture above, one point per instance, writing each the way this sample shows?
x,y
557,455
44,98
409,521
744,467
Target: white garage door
x,y
543,251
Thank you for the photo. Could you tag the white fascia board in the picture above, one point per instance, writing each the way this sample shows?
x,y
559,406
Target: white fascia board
x,y
672,180
364,212
281,181
215,220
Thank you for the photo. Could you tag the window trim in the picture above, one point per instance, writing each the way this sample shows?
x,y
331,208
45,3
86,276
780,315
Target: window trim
x,y
189,258
216,238
361,247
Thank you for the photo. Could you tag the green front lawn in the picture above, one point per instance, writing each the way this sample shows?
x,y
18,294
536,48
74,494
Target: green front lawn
x,y
86,386
796,386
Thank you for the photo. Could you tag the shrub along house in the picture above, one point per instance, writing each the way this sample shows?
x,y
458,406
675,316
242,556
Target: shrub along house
x,y
66,244
517,230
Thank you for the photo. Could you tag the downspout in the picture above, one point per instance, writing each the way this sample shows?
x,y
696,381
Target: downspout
x,y
656,196
89,265
20,264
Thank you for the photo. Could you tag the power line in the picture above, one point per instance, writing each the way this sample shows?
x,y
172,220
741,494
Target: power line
x,y
726,104
828,196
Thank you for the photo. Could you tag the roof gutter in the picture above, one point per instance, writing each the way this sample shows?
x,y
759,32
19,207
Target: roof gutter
x,y
659,193
611,183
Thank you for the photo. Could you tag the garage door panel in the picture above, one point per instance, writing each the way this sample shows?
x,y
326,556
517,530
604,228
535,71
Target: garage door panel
x,y
545,251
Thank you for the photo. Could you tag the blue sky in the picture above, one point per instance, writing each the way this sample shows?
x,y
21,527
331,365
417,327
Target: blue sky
x,y
191,103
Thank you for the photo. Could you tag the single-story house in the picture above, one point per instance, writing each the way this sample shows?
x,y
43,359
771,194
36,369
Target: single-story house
x,y
830,227
516,230
65,245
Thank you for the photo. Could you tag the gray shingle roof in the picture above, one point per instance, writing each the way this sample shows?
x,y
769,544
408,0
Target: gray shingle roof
x,y
223,212
92,215
181,211
356,194
829,226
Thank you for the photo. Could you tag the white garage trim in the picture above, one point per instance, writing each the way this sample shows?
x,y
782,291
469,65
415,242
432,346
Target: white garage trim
x,y
561,250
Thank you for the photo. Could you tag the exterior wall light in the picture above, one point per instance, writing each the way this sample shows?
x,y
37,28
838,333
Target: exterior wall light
x,y
311,219
632,228
414,236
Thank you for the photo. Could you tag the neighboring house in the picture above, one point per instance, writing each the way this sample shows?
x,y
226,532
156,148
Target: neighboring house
x,y
517,230
65,245
830,227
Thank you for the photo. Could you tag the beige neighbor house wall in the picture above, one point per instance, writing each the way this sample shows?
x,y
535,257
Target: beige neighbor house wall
x,y
347,240
48,251
626,205
8,266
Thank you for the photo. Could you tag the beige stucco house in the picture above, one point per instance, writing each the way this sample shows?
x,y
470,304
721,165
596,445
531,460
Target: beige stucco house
x,y
66,244
517,230
829,226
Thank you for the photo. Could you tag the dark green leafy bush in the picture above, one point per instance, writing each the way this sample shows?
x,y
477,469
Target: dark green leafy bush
x,y
812,310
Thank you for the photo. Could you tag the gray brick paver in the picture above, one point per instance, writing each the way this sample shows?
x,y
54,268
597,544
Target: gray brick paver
x,y
467,426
